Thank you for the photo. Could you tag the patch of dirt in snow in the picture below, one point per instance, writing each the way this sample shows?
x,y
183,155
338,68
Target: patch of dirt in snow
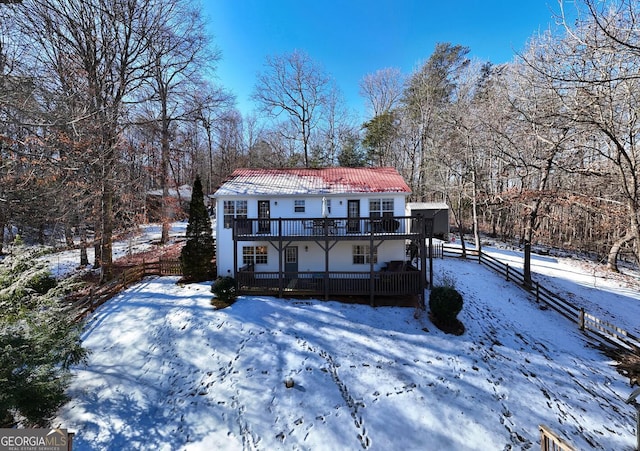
x,y
92,278
167,252
624,278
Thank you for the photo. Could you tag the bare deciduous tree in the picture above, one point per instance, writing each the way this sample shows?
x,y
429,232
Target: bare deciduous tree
x,y
382,90
179,54
101,44
601,54
296,86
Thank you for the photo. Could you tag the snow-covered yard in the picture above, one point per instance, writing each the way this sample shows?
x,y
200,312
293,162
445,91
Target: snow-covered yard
x,y
167,371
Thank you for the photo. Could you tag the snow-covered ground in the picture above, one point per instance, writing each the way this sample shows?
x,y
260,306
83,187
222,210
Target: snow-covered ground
x,y
167,371
610,296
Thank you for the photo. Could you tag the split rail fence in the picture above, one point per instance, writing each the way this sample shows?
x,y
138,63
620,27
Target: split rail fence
x,y
99,295
590,324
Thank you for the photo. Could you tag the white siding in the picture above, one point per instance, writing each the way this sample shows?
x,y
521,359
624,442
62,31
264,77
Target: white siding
x,y
313,258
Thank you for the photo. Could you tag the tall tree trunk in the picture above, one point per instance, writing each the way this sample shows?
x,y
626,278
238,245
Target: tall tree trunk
x,y
532,224
97,240
164,177
84,258
529,229
614,251
106,211
474,211
2,225
632,234
68,234
106,243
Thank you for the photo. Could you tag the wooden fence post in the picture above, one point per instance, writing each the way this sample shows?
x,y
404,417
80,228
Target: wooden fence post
x,y
581,319
550,441
507,271
544,441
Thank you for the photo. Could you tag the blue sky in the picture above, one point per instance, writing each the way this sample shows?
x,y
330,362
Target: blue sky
x,y
351,38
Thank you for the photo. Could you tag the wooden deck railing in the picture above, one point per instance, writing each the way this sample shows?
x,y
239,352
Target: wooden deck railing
x,y
550,441
590,324
311,228
335,283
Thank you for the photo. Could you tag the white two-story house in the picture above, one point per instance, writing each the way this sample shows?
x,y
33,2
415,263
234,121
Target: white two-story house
x,y
330,231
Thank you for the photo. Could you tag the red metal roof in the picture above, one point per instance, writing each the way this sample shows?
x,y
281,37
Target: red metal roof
x,y
314,181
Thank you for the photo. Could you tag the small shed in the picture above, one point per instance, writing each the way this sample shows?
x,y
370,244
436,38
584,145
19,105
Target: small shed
x,y
438,211
177,204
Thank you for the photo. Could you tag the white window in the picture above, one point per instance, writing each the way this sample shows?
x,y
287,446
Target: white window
x,y
254,255
379,208
299,205
362,254
234,209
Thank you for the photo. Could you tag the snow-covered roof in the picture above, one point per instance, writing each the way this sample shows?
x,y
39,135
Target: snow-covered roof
x,y
292,181
184,190
427,206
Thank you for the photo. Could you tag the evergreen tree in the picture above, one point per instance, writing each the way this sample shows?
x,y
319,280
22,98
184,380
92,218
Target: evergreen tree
x,y
39,341
199,250
380,134
351,154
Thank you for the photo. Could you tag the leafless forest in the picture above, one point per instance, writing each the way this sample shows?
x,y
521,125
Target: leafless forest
x,y
102,101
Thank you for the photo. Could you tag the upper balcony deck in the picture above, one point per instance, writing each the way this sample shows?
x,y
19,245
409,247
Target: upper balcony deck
x,y
398,227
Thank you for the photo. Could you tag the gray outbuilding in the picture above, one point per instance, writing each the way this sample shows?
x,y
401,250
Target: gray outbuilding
x,y
438,211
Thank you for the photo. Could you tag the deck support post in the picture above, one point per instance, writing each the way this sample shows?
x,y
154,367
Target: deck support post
x,y
372,282
422,226
326,260
235,249
280,275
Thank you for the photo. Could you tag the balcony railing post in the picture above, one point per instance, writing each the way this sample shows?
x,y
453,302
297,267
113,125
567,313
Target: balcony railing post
x,y
326,260
244,229
280,275
371,270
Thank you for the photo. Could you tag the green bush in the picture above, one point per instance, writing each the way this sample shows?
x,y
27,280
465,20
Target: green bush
x,y
42,282
445,303
225,289
40,341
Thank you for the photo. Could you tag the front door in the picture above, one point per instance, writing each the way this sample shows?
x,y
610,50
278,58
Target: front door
x,y
291,262
264,213
353,211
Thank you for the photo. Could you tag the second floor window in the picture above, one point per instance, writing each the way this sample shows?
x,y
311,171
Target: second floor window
x,y
298,206
379,208
234,209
